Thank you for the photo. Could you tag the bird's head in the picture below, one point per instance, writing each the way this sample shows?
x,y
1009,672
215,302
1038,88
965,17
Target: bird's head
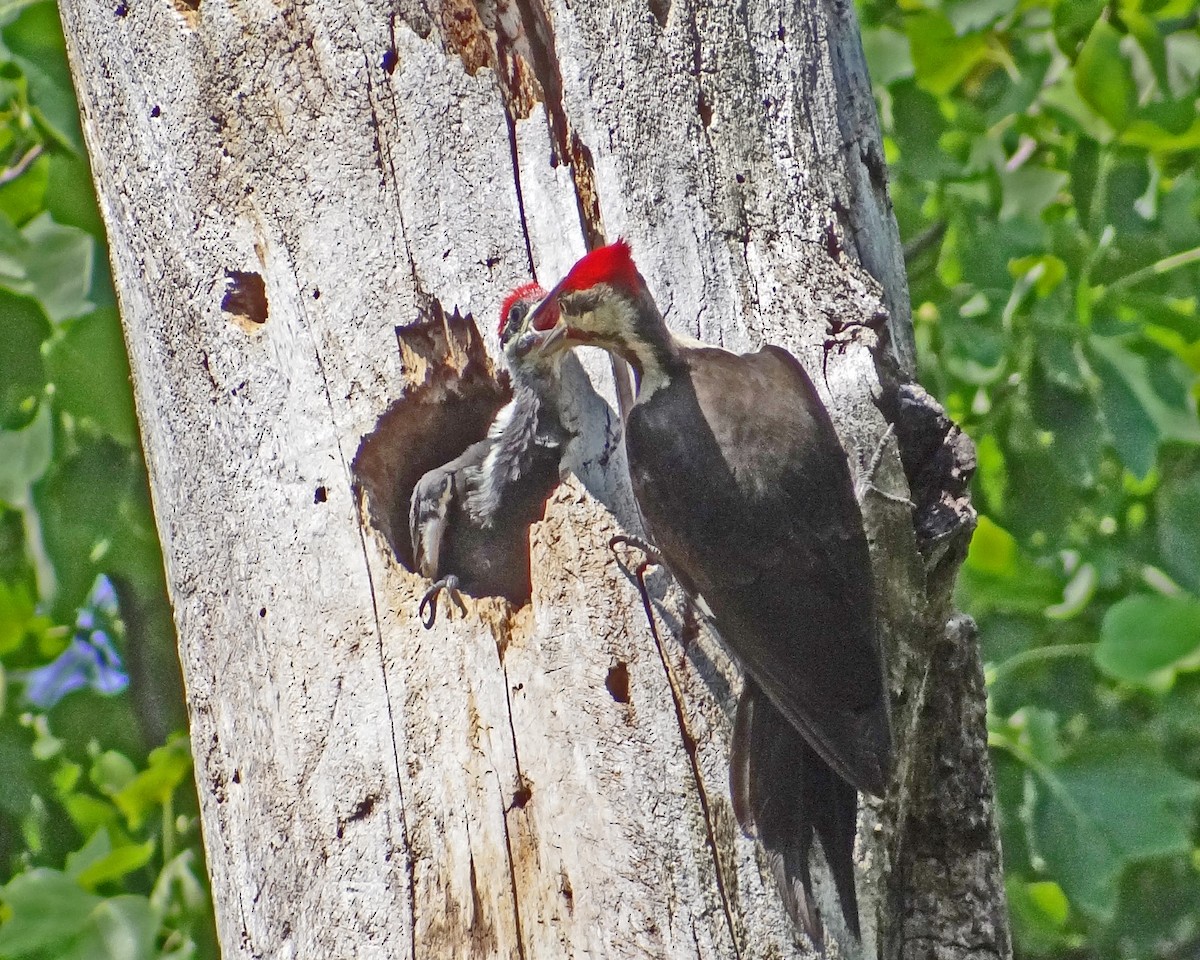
x,y
516,337
602,302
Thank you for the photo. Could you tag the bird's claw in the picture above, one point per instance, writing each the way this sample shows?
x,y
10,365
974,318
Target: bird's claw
x,y
428,608
653,558
866,482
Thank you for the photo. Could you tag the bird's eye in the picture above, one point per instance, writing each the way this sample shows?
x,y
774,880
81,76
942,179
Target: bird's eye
x,y
516,313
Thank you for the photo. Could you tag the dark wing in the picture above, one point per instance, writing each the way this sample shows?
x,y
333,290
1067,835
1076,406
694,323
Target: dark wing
x,y
746,491
784,793
431,506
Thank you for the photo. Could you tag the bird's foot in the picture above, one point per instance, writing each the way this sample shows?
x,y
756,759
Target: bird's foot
x,y
428,608
651,558
866,482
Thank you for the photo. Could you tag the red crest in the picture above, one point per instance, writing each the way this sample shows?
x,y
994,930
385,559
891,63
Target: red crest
x,y
529,291
612,265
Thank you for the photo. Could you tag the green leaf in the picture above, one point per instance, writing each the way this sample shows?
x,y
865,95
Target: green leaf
x,y
88,813
90,372
1028,190
149,790
58,266
940,57
887,55
1072,21
22,372
24,197
112,772
70,195
25,457
48,910
35,39
122,928
1179,527
178,882
1136,404
1070,417
993,549
1144,635
1039,914
996,577
95,850
1111,803
16,611
1104,78
971,15
116,863
1150,39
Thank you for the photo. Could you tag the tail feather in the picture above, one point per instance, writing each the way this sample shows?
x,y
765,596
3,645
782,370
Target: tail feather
x,y
785,794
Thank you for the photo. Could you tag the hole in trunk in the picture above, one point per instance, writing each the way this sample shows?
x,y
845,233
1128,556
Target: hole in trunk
x,y
451,395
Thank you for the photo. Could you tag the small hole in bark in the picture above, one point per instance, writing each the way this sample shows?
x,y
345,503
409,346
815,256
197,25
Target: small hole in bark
x,y
237,776
245,299
389,62
122,10
316,294
155,111
321,495
661,9
262,611
521,797
364,808
617,682
741,178
567,892
706,113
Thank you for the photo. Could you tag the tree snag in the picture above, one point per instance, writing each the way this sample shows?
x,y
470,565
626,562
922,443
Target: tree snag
x,y
290,190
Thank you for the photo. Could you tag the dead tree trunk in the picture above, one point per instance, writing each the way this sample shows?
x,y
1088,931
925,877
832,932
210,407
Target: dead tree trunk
x,y
306,204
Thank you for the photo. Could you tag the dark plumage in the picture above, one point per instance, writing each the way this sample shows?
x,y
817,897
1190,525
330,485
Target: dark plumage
x,y
747,494
469,519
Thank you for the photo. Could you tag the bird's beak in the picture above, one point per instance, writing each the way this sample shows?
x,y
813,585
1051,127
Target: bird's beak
x,y
547,329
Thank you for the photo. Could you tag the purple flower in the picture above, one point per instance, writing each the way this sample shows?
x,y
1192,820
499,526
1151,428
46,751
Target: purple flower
x,y
90,660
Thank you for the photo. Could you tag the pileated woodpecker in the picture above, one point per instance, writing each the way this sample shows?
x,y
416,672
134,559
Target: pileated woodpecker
x,y
747,495
469,519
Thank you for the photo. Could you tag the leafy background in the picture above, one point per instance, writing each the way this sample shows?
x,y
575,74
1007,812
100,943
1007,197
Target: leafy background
x,y
1043,161
99,836
1043,165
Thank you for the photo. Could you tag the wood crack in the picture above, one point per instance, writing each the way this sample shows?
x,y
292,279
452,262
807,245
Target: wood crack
x,y
689,747
410,866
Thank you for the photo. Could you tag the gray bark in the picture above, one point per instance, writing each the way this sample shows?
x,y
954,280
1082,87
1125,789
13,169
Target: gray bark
x,y
306,204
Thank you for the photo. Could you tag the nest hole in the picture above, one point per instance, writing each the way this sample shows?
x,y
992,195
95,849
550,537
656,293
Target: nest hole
x,y
451,395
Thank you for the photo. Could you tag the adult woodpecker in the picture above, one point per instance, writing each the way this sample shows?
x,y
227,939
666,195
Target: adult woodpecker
x,y
469,519
746,493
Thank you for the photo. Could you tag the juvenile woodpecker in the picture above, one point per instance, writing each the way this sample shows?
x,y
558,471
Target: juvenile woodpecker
x,y
746,493
469,519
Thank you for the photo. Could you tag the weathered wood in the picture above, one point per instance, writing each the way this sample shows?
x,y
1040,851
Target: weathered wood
x,y
288,191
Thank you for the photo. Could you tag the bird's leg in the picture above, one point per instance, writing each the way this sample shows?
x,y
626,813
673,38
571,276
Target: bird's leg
x,y
866,482
428,608
651,558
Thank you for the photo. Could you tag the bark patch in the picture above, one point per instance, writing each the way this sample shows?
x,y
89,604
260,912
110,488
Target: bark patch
x,y
449,396
464,33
